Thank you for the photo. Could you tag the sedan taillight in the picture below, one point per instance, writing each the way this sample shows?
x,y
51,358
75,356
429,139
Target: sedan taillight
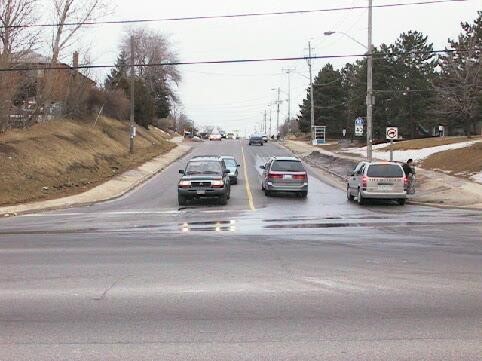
x,y
300,176
275,176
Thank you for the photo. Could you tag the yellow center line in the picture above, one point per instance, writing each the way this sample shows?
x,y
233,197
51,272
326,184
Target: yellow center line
x,y
246,183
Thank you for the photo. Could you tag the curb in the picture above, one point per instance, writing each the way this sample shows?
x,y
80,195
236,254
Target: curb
x,y
37,207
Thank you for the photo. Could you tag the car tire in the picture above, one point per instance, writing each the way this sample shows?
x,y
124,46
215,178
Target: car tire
x,y
261,144
349,196
181,200
223,200
262,186
401,201
267,193
360,199
304,194
235,181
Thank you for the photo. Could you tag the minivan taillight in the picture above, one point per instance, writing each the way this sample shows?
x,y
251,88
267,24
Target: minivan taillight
x,y
364,181
405,181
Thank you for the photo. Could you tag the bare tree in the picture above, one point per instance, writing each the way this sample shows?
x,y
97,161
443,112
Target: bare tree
x,y
70,16
152,49
16,36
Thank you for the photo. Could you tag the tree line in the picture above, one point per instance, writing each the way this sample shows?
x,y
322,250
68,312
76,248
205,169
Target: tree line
x,y
415,88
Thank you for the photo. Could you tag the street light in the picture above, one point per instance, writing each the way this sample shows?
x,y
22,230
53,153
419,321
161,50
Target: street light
x,y
329,33
370,98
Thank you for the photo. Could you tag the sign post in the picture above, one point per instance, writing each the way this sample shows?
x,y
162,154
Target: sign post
x,y
392,133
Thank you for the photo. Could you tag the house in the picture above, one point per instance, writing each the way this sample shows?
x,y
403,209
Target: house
x,y
42,91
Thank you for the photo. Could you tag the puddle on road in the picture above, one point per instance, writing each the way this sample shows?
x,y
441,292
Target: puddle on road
x,y
208,226
359,224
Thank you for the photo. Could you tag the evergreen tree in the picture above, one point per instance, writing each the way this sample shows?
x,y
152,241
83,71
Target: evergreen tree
x,y
459,85
118,77
329,99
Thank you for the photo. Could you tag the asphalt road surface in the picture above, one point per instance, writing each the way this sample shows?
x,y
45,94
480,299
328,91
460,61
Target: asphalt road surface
x,y
280,278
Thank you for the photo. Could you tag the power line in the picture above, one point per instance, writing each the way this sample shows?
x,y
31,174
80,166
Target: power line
x,y
231,16
239,61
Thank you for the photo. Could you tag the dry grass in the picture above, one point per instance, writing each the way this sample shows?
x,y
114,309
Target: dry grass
x,y
429,142
460,162
66,157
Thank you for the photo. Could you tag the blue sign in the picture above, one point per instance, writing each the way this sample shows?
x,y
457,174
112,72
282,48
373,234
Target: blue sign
x,y
359,121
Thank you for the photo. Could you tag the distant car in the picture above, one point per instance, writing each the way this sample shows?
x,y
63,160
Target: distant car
x,y
230,136
215,136
265,138
377,180
204,177
223,134
233,166
256,139
284,174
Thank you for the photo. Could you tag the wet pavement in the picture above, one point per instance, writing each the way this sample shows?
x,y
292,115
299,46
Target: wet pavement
x,y
282,279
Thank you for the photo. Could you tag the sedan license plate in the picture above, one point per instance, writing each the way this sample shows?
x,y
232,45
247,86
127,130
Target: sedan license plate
x,y
201,193
287,176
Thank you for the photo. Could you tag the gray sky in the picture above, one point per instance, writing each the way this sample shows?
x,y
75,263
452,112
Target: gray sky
x,y
235,96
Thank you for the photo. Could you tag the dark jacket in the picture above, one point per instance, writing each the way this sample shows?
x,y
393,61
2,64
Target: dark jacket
x,y
408,170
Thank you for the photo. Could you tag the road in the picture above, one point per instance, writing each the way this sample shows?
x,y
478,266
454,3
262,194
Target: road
x,y
278,278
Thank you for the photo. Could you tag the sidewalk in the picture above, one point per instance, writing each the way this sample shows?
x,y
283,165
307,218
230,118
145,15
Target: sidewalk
x,y
111,189
433,188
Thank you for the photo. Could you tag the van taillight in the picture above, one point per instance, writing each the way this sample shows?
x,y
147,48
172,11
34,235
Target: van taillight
x,y
364,181
405,181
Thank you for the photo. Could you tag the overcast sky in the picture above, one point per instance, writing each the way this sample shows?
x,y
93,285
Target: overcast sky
x,y
236,96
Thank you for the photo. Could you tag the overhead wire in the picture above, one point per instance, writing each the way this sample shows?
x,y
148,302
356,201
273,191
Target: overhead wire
x,y
237,61
231,16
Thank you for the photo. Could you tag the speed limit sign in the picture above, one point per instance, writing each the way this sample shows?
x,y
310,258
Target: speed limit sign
x,y
392,133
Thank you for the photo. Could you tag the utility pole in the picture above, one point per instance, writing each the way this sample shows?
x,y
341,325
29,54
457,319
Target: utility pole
x,y
132,121
265,121
277,114
288,71
312,117
370,97
270,118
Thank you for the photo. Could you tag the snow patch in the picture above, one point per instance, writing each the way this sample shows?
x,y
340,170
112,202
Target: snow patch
x,y
477,177
415,154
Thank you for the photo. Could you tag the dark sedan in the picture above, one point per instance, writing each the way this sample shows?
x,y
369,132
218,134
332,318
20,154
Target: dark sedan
x,y
256,139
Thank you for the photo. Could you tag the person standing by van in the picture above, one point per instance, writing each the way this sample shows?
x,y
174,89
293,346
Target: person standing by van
x,y
409,171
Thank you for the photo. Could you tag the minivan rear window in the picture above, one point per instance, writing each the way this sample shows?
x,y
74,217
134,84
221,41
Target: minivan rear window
x,y
385,171
287,166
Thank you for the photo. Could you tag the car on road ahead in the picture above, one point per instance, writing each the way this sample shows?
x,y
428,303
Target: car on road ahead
x,y
256,139
377,180
204,177
233,166
284,174
215,135
265,138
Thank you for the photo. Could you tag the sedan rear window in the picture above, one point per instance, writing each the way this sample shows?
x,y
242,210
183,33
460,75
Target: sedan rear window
x,y
287,166
385,171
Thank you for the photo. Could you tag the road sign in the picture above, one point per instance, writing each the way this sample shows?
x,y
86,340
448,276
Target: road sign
x,y
358,130
392,133
359,121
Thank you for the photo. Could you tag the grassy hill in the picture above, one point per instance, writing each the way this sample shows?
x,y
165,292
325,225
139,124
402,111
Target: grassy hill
x,y
65,157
